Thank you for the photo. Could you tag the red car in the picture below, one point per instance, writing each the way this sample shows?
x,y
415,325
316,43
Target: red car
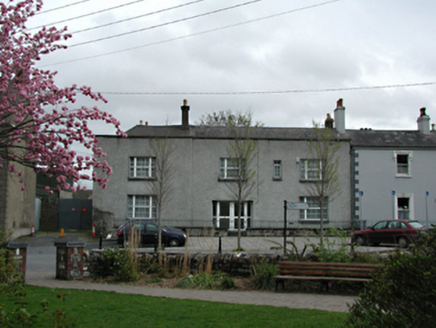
x,y
401,232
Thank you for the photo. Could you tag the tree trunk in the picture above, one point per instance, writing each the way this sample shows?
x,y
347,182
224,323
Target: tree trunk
x,y
321,234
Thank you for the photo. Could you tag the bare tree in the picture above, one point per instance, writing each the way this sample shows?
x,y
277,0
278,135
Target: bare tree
x,y
242,152
325,181
163,175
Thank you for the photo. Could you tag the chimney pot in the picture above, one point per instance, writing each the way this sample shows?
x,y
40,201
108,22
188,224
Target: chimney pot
x,y
185,114
140,122
340,116
328,121
422,110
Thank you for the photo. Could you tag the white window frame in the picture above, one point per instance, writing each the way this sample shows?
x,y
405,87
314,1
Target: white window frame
x,y
138,204
409,155
149,167
233,216
277,170
411,209
228,165
314,206
305,169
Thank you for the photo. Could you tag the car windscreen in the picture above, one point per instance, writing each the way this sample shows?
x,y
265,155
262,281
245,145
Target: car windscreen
x,y
416,224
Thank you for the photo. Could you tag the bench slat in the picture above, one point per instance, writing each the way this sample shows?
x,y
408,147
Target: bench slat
x,y
319,278
323,271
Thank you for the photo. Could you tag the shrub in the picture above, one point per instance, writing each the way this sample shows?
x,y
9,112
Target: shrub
x,y
330,250
151,266
403,294
227,283
119,264
204,280
262,275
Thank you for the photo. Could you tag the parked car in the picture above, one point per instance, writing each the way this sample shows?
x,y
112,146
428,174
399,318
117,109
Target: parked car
x,y
401,232
149,231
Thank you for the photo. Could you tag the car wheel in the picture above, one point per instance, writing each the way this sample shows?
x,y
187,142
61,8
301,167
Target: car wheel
x,y
173,242
360,240
403,242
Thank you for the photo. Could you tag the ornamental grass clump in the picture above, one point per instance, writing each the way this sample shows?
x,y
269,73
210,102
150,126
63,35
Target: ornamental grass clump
x,y
262,275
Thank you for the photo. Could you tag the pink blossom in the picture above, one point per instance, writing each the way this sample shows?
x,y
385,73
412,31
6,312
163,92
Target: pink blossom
x,y
45,125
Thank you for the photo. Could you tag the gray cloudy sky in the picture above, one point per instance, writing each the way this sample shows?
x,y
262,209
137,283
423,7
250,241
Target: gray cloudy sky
x,y
288,69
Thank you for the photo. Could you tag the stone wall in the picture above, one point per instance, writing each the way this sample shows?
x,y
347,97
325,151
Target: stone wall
x,y
234,264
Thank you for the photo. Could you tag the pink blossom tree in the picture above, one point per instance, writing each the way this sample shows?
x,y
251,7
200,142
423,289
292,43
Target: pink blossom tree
x,y
38,124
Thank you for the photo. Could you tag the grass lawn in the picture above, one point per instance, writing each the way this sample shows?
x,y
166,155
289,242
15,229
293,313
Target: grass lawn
x,y
108,309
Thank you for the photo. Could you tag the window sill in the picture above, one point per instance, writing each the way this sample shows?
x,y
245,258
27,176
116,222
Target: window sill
x,y
277,179
403,176
229,179
313,221
309,181
141,179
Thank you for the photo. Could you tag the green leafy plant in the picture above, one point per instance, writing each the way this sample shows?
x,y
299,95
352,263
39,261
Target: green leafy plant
x,y
293,253
153,280
403,294
151,266
227,282
118,264
203,280
262,275
330,250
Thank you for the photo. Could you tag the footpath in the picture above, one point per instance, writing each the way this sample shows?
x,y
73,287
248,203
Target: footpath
x,y
41,272
334,303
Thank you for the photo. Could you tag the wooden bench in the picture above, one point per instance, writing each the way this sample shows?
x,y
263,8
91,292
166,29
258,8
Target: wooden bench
x,y
325,272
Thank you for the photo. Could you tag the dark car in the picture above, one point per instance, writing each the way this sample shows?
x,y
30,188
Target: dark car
x,y
148,231
401,232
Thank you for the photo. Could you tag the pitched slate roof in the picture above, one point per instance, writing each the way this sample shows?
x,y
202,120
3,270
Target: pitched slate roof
x,y
357,138
220,132
391,139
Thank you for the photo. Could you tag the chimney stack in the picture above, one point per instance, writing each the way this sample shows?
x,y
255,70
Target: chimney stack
x,y
340,116
185,114
423,122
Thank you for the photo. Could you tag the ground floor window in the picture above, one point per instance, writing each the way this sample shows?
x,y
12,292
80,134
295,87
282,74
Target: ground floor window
x,y
141,207
225,215
313,212
404,208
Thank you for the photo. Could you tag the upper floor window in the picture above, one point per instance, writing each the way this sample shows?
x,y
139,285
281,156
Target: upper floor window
x,y
141,207
229,168
310,169
403,163
142,167
277,175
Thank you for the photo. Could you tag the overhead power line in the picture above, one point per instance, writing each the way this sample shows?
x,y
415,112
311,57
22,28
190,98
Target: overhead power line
x,y
258,92
194,34
86,15
136,17
165,24
62,7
